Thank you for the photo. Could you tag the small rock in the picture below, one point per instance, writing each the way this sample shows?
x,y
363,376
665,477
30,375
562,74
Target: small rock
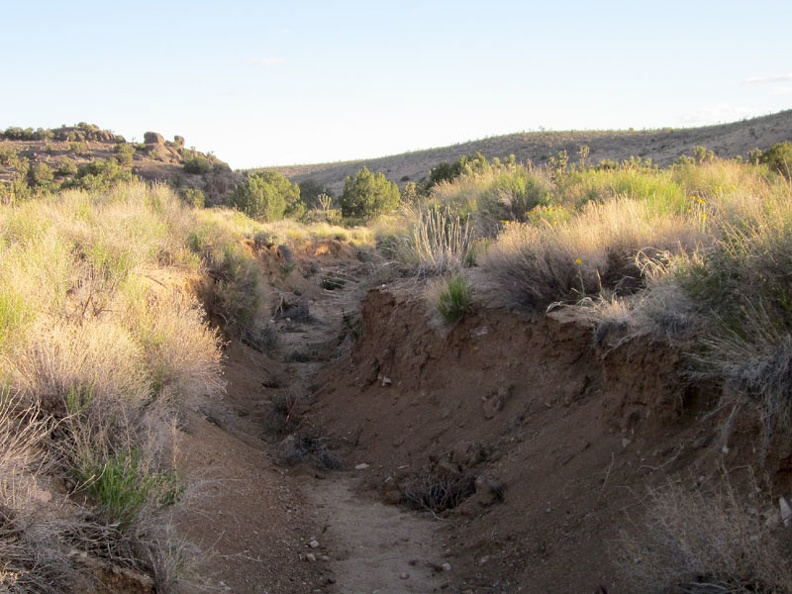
x,y
314,544
480,331
362,466
786,511
386,381
446,566
404,575
310,557
41,495
625,442
484,560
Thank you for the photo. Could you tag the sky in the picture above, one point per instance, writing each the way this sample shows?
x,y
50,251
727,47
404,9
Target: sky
x,y
277,83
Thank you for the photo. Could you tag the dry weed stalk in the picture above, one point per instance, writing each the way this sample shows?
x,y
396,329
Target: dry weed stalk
x,y
701,541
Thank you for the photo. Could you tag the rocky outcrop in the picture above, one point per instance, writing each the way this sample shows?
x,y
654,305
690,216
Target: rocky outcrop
x,y
153,138
85,133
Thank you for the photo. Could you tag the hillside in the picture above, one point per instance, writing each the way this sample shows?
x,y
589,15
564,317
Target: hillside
x,y
661,146
64,157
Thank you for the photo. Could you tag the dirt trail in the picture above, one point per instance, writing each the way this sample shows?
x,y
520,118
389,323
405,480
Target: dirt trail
x,y
366,546
266,528
374,547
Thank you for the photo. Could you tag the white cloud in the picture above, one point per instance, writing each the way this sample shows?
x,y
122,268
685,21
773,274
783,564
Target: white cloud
x,y
763,80
716,114
268,61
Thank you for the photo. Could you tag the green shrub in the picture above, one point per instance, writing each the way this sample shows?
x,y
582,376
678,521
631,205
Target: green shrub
x,y
99,175
193,196
41,176
312,193
367,195
197,164
17,133
779,158
79,149
512,196
10,157
124,154
267,196
66,166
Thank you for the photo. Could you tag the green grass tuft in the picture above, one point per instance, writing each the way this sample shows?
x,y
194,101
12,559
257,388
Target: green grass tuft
x,y
454,299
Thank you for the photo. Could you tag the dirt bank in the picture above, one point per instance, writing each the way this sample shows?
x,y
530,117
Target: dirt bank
x,y
532,447
505,454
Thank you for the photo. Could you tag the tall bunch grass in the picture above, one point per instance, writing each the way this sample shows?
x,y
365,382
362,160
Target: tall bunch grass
x,y
100,333
705,541
742,288
32,560
437,241
595,251
237,294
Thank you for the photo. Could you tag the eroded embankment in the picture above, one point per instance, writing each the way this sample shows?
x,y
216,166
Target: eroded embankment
x,y
532,447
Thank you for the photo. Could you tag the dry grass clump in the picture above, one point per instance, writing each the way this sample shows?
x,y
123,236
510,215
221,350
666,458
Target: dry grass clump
x,y
429,241
235,294
287,231
741,289
103,343
31,561
696,541
699,253
530,266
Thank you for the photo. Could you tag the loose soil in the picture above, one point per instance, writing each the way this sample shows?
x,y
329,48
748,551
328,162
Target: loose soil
x,y
505,454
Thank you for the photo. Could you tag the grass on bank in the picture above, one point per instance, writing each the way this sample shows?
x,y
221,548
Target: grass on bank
x,y
706,539
101,344
699,254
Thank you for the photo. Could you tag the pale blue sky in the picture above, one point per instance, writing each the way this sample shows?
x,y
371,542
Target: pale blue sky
x,y
273,83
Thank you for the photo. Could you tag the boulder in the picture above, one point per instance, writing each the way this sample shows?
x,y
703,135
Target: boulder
x,y
153,138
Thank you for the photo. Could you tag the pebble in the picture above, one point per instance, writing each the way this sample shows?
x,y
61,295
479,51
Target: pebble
x,y
404,575
310,557
314,544
446,566
362,466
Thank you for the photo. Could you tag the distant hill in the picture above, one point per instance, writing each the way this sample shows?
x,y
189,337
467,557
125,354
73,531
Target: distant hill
x,y
64,150
661,146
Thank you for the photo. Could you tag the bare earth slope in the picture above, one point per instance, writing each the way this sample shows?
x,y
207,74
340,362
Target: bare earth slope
x,y
558,439
505,454
661,146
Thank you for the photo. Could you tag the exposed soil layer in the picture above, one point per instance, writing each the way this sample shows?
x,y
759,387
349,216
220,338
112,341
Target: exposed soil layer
x,y
505,454
559,439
